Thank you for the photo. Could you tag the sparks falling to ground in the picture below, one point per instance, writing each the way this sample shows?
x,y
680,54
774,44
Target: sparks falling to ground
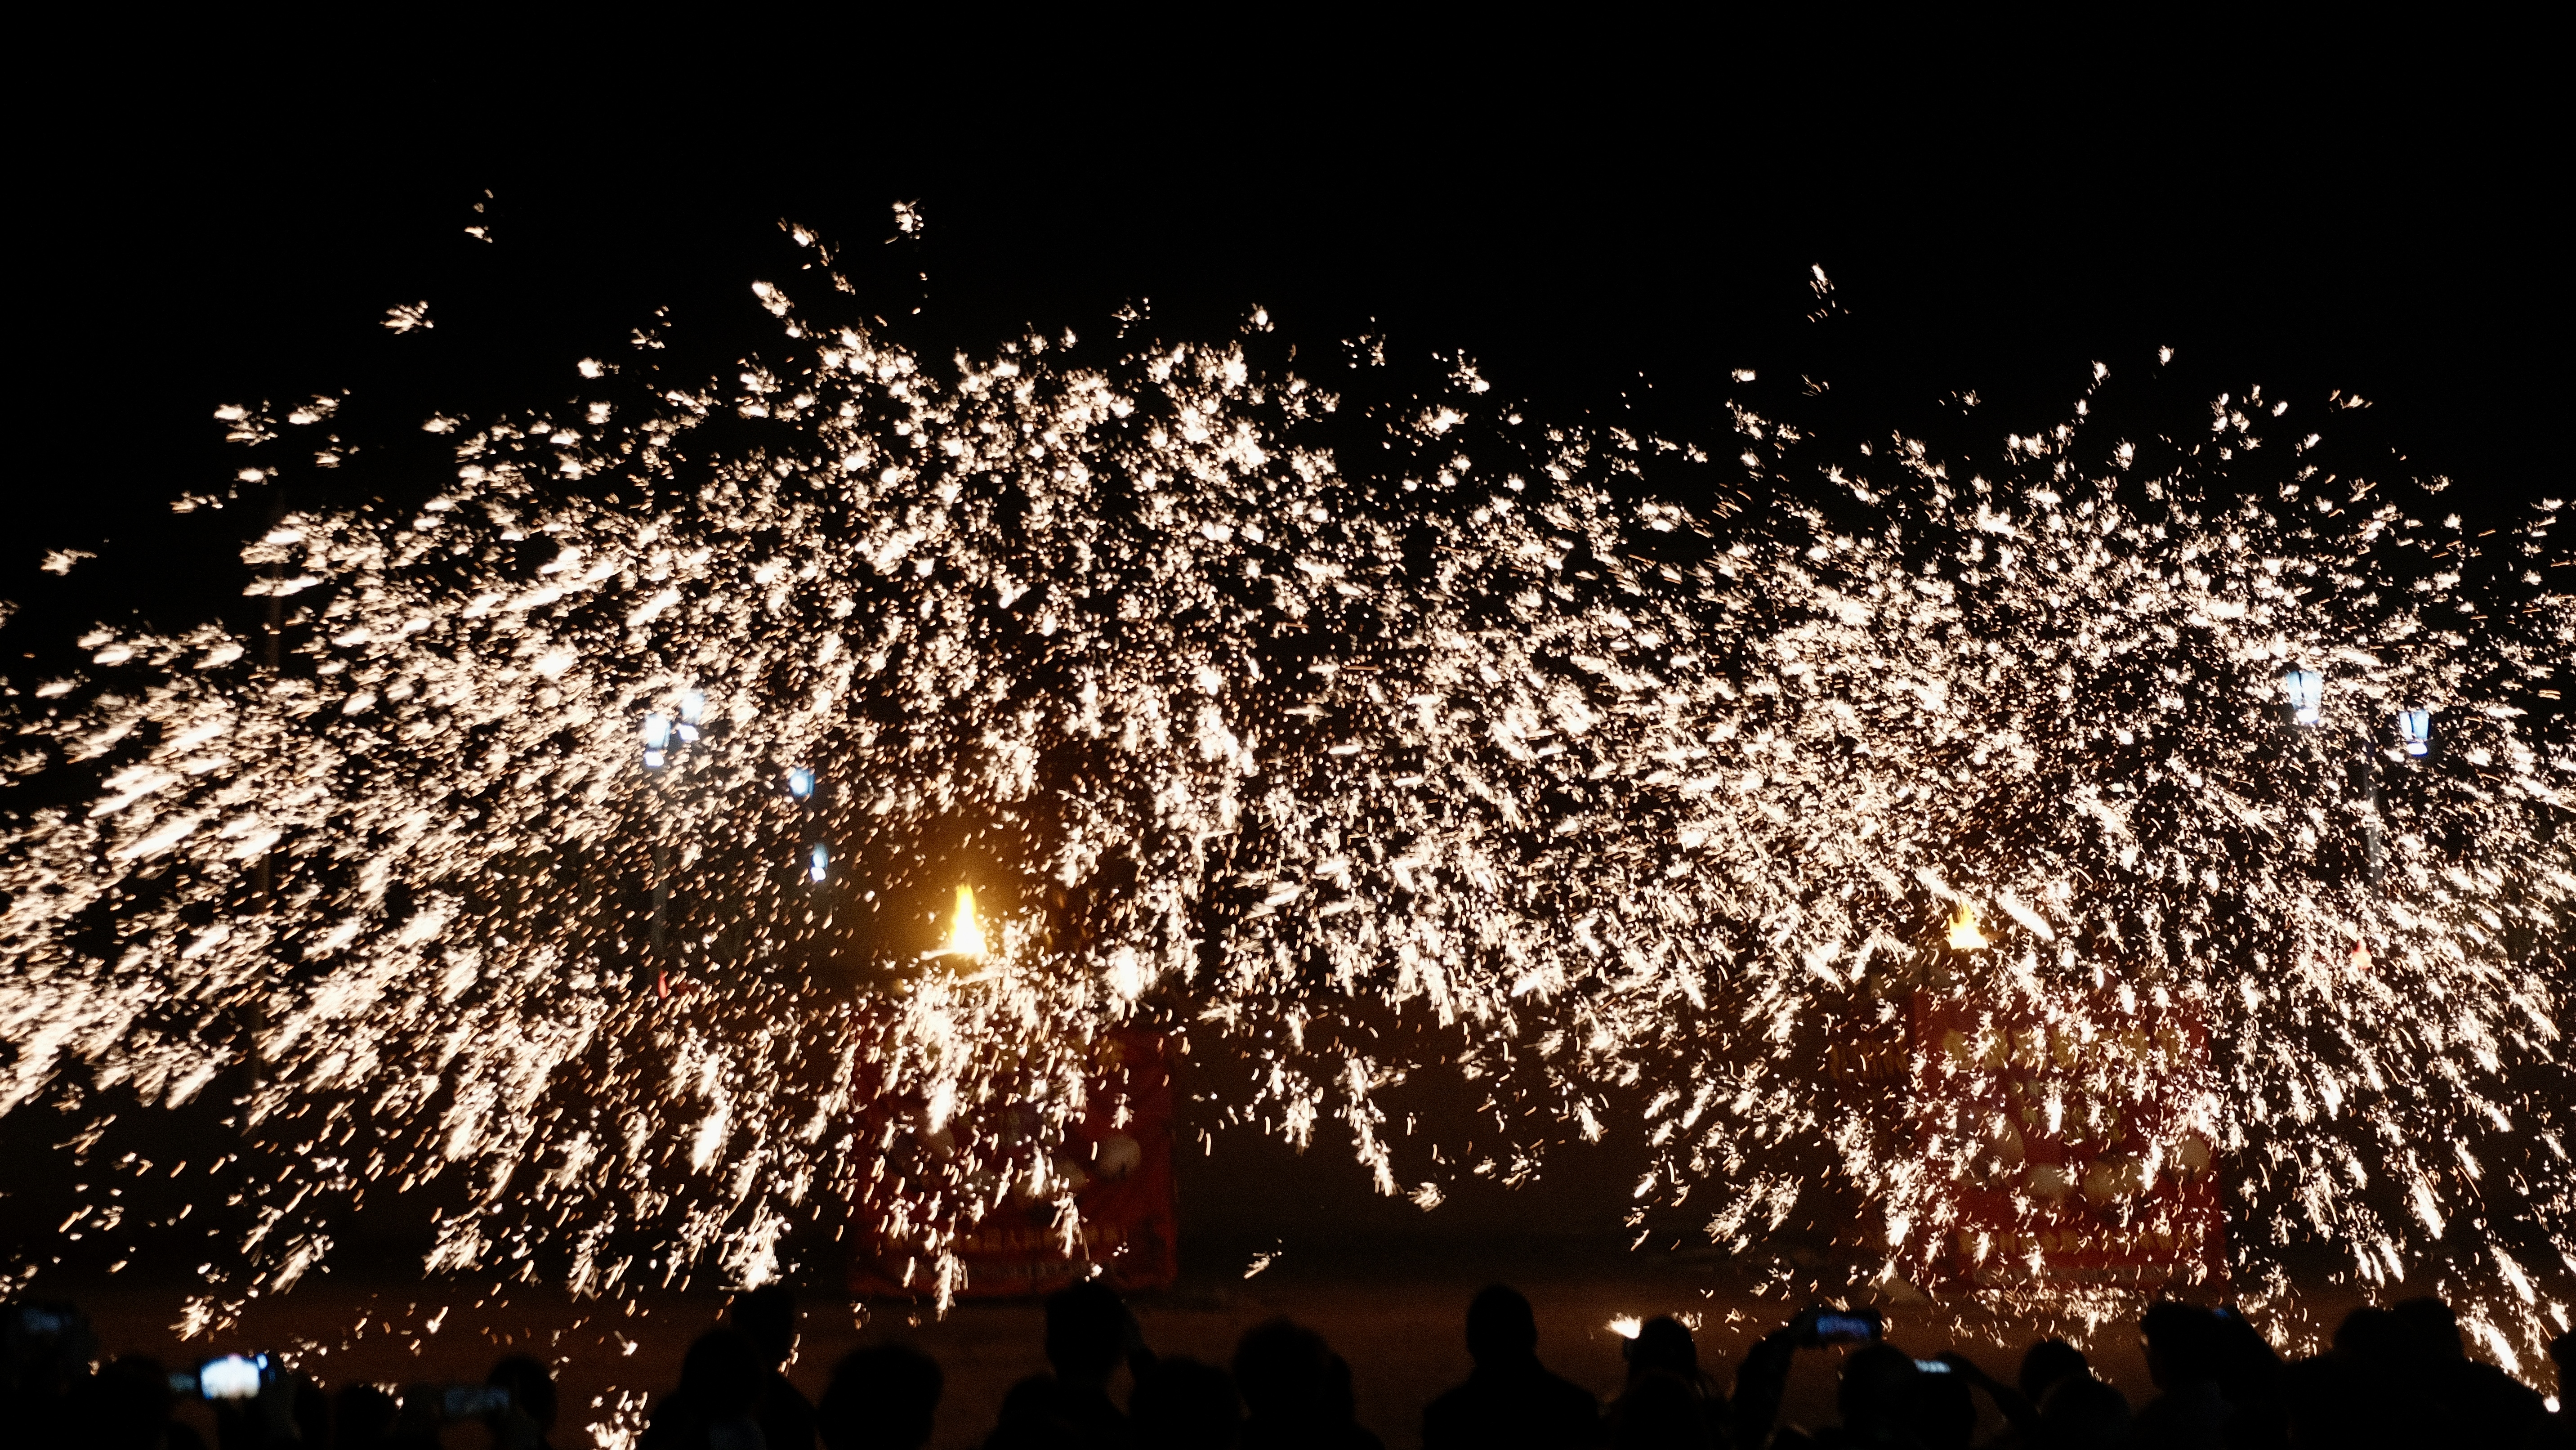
x,y
587,849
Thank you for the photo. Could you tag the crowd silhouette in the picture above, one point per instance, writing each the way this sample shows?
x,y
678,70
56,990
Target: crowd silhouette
x,y
2399,1376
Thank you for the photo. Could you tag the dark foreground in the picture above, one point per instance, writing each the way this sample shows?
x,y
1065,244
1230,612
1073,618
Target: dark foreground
x,y
1396,1316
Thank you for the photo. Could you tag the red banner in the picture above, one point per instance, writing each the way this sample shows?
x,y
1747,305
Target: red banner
x,y
2065,1139
1119,1156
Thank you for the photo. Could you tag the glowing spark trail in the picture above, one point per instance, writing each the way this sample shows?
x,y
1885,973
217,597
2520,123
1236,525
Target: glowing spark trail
x,y
1460,753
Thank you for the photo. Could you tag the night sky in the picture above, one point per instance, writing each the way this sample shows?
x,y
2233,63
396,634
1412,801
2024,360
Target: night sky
x,y
1603,222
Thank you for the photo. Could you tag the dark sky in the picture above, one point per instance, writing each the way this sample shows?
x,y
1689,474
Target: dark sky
x,y
1604,221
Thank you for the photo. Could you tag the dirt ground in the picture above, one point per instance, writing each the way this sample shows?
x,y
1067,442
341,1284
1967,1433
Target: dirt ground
x,y
1395,1314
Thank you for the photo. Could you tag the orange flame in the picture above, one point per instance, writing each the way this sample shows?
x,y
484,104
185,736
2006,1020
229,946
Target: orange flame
x,y
1964,935
965,933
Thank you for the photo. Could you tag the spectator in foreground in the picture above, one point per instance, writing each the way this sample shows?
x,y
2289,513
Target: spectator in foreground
x,y
1660,1356
882,1397
1881,1399
130,1409
362,1417
1659,1411
1296,1390
2250,1380
2188,1412
766,1317
45,1350
2043,1365
2080,1412
1181,1404
2483,1404
1088,1330
1510,1400
530,1416
712,1408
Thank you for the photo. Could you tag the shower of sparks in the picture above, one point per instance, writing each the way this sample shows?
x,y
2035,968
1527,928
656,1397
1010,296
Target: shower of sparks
x,y
548,862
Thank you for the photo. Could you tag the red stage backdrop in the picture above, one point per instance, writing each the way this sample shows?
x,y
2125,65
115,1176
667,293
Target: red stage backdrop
x,y
1120,1155
2089,1159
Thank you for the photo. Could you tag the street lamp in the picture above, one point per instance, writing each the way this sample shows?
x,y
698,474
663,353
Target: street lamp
x,y
2307,690
2415,731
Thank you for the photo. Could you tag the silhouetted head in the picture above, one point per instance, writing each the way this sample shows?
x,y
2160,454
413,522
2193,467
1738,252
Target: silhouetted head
x,y
1338,1406
2047,1362
2182,1343
767,1317
1662,1343
1878,1388
129,1404
1658,1412
44,1347
1086,1329
1280,1369
2432,1328
361,1417
2249,1368
882,1397
2080,1412
1500,1327
531,1386
1945,1413
2374,1342
722,1374
1182,1404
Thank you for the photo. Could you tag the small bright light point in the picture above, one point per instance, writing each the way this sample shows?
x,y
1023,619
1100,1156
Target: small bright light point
x,y
657,731
1626,1326
818,862
800,783
2306,689
652,760
693,707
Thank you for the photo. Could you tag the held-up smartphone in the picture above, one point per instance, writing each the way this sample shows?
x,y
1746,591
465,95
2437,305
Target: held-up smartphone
x,y
473,1402
233,1377
1845,1326
1931,1366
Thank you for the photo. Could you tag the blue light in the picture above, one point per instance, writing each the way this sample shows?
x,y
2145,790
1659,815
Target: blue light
x,y
657,731
2415,731
818,862
693,707
800,783
2307,690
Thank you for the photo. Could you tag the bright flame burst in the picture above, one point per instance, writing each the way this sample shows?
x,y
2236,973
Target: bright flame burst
x,y
1963,934
1440,748
965,933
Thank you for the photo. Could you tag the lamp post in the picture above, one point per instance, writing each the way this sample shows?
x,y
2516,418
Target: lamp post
x,y
2415,732
2306,689
661,737
657,745
818,856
